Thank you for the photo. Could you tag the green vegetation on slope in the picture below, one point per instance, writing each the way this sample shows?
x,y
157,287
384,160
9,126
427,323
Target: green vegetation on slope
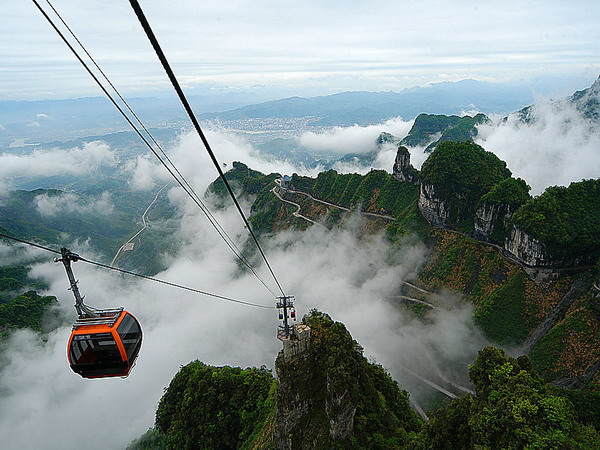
x,y
331,380
508,305
450,128
565,219
153,439
214,407
376,192
503,315
512,408
47,216
14,279
572,347
461,173
511,191
25,311
243,179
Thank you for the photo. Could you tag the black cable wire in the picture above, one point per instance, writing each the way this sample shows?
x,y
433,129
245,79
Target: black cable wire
x,y
184,185
106,266
29,243
163,59
139,121
168,283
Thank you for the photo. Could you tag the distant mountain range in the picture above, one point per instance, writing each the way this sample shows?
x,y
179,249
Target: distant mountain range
x,y
364,108
30,122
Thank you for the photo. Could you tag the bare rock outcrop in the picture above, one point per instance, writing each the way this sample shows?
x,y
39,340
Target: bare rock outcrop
x,y
403,169
526,248
492,221
435,210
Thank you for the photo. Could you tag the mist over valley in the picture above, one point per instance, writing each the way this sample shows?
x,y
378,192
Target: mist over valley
x,y
435,221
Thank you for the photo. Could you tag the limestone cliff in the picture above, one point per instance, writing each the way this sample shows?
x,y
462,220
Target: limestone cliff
x,y
487,217
560,228
403,170
330,396
454,179
497,207
526,248
534,253
434,209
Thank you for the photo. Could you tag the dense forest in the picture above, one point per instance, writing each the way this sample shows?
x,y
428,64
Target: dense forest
x,y
308,404
566,219
513,406
441,128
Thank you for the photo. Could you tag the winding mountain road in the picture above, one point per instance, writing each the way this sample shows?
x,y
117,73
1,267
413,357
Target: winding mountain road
x,y
333,205
411,299
297,212
129,244
436,386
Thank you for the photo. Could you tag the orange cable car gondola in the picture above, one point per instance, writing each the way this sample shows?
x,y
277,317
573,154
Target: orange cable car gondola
x,y
104,342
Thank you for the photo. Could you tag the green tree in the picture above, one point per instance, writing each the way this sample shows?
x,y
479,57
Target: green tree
x,y
512,408
214,407
461,173
565,219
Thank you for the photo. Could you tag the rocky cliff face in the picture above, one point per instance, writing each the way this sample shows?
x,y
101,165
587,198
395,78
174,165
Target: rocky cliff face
x,y
534,253
435,210
403,169
491,222
330,396
525,248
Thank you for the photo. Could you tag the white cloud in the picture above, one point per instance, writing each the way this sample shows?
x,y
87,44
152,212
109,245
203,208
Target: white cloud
x,y
557,148
338,272
84,160
354,139
192,160
50,206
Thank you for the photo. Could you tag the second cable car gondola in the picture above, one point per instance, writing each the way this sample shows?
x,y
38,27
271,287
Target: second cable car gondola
x,y
104,342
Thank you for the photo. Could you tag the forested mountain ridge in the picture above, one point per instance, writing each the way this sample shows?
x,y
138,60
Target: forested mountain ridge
x,y
485,202
328,395
363,108
432,129
106,215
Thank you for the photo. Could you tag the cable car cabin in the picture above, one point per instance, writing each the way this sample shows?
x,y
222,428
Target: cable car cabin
x,y
105,346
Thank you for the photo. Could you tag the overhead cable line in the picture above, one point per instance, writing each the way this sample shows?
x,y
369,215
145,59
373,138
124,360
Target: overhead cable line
x,y
183,184
163,59
127,272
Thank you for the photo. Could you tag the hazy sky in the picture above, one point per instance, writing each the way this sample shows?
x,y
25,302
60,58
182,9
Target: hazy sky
x,y
296,47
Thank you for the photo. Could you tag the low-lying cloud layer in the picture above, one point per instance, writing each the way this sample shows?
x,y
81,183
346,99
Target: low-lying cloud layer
x,y
51,206
354,139
338,272
558,147
80,161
